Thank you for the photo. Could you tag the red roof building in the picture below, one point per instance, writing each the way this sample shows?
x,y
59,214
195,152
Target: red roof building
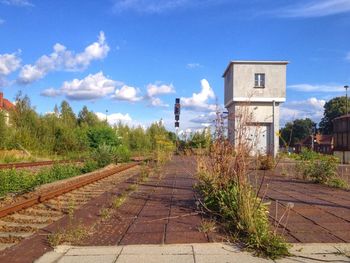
x,y
322,144
5,104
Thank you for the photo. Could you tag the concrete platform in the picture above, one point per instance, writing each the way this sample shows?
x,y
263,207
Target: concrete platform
x,y
192,253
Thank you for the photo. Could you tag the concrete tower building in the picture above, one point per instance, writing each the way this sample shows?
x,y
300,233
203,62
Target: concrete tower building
x,y
259,86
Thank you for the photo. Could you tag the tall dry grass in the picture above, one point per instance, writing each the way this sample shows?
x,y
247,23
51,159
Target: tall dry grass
x,y
226,189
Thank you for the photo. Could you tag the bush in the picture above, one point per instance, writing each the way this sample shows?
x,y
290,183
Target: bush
x,y
122,154
103,155
89,166
266,162
306,155
319,170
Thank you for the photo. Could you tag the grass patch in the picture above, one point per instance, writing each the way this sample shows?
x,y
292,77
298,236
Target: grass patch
x,y
70,236
118,201
21,181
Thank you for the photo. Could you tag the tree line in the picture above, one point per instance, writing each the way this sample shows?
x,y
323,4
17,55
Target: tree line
x,y
62,132
297,130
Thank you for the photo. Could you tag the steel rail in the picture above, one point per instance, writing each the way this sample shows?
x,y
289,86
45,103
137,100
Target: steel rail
x,y
37,199
32,164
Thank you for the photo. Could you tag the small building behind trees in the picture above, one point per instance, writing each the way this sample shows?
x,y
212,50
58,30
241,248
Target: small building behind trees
x,y
321,144
5,107
341,135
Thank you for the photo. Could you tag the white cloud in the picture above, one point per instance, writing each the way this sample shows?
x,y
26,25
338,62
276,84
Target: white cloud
x,y
9,63
159,89
159,6
205,120
311,108
199,101
316,8
114,118
20,3
193,65
127,93
90,88
63,59
317,88
156,89
50,92
157,102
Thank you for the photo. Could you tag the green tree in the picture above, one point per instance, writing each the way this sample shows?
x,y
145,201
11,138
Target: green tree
x,y
87,117
67,115
3,130
102,135
295,131
332,109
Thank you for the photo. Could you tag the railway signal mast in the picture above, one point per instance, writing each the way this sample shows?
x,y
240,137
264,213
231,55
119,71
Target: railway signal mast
x,y
177,110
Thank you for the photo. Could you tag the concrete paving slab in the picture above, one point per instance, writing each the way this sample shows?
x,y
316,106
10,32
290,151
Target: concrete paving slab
x,y
108,250
88,259
199,253
158,250
215,249
51,256
235,258
156,259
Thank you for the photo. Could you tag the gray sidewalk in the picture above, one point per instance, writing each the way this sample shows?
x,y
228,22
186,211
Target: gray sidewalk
x,y
191,253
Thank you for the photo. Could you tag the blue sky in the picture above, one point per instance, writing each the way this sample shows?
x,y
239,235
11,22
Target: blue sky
x,y
133,57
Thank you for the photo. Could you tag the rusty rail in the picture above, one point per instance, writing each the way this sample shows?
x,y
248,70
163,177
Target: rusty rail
x,y
62,190
32,164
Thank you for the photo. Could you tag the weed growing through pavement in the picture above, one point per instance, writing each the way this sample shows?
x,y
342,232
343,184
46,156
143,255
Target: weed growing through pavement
x,y
69,236
207,226
227,192
105,213
119,200
132,188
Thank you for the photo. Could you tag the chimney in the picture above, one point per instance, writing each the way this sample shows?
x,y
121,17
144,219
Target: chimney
x,y
1,100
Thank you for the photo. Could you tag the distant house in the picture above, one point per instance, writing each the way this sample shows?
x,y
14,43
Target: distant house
x,y
341,127
5,106
322,144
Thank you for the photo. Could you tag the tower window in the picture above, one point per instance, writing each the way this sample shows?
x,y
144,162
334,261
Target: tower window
x,y
260,80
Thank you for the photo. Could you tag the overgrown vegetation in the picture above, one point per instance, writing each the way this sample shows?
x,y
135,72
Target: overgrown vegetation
x,y
227,192
62,133
21,181
320,169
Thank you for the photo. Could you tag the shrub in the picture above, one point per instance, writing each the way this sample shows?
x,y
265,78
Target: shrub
x,y
89,166
306,155
103,155
266,162
227,192
318,170
122,154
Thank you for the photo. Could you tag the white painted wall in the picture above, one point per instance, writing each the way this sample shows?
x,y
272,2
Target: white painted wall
x,y
240,92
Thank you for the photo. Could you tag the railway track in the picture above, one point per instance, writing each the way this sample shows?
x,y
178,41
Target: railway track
x,y
23,219
32,164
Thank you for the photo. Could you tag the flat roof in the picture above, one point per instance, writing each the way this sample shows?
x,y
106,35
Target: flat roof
x,y
275,62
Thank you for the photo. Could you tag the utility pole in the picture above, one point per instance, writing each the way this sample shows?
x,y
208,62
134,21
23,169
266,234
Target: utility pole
x,y
177,110
346,95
